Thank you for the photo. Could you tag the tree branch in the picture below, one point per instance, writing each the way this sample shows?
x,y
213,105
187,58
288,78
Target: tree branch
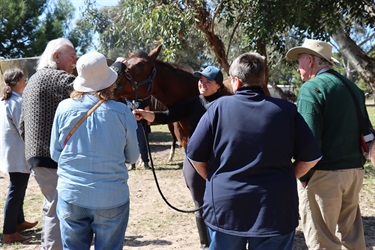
x,y
215,14
235,29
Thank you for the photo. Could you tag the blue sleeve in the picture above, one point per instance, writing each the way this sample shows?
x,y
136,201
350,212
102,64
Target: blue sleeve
x,y
55,146
131,147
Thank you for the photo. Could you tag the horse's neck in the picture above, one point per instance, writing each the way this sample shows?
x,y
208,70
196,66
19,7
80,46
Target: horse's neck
x,y
172,85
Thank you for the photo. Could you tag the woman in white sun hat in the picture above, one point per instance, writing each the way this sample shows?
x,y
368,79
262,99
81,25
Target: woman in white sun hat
x,y
91,147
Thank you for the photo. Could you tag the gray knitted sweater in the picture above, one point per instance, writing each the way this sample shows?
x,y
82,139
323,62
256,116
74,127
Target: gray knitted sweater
x,y
44,91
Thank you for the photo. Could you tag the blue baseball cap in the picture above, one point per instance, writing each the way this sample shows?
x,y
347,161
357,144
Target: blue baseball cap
x,y
211,73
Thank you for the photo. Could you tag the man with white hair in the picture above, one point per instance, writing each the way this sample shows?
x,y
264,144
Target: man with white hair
x,y
329,193
51,84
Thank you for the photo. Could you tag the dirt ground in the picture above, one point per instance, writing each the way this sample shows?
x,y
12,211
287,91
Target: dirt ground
x,y
152,223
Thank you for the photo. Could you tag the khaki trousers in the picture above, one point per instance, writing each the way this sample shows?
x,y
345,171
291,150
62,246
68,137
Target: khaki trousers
x,y
329,210
47,181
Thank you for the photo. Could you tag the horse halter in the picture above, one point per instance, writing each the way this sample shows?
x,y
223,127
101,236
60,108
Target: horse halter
x,y
136,85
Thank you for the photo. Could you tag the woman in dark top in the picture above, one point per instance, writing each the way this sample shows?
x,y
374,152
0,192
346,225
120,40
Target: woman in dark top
x,y
210,87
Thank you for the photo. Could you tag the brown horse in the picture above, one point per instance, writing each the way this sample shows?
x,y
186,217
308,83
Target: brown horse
x,y
156,105
145,76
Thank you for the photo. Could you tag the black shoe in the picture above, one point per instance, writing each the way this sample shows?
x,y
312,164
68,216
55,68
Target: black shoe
x,y
146,165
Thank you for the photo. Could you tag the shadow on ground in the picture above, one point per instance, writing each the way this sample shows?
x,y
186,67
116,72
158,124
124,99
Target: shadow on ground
x,y
133,241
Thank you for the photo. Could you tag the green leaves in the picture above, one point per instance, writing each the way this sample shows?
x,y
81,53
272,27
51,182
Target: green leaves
x,y
215,32
27,26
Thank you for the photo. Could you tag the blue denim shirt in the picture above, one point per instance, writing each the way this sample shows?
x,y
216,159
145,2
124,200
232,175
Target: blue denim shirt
x,y
91,168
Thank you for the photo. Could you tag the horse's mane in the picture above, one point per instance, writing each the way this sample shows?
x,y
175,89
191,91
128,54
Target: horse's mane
x,y
180,69
183,69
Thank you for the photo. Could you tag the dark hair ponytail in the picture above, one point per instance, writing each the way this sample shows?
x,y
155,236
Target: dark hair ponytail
x,y
11,77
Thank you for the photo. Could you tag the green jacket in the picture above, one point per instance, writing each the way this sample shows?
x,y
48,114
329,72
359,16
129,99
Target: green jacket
x,y
328,108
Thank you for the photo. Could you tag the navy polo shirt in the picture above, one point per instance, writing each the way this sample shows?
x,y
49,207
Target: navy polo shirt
x,y
249,141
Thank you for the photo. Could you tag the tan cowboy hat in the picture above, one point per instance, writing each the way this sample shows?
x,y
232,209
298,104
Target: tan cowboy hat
x,y
313,47
93,73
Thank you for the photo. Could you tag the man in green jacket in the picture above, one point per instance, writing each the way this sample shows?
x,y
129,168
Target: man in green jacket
x,y
329,194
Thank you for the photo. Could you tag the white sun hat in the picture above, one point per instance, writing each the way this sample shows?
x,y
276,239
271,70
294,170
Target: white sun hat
x,y
93,73
313,47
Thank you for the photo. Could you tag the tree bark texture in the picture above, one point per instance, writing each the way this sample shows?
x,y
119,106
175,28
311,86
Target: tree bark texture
x,y
359,60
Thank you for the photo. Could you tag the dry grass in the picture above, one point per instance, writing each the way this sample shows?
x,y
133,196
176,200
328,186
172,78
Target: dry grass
x,y
154,225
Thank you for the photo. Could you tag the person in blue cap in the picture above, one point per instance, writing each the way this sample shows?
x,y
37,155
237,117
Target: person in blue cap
x,y
211,87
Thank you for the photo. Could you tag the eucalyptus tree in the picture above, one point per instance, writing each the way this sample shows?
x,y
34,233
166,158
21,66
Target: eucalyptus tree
x,y
142,25
231,26
82,36
337,19
266,25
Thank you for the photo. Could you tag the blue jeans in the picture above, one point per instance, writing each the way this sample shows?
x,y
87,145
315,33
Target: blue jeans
x,y
78,225
142,143
230,242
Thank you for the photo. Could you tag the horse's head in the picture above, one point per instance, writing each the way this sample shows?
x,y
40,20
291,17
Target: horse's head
x,y
136,82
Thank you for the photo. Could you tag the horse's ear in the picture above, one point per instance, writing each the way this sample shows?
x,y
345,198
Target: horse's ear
x,y
130,54
155,52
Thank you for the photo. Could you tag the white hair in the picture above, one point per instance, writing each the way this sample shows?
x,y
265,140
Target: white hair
x,y
322,63
46,60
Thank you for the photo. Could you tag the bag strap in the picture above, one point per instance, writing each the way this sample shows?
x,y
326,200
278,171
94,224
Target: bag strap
x,y
364,128
82,120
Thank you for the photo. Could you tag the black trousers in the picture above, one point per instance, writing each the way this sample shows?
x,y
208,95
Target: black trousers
x,y
13,211
195,183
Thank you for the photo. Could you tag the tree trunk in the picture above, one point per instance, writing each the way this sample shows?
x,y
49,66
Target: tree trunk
x,y
359,60
205,24
278,90
262,50
219,49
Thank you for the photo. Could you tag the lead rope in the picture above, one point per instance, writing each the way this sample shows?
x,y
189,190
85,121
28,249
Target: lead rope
x,y
135,89
157,182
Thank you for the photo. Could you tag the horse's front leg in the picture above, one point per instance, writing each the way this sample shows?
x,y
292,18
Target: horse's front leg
x,y
174,142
